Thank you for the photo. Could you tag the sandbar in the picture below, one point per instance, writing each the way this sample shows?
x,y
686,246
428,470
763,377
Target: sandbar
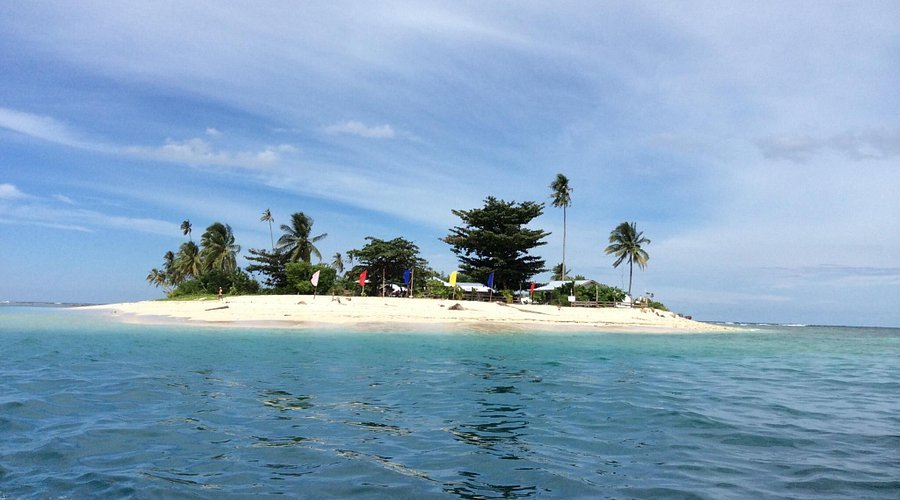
x,y
393,313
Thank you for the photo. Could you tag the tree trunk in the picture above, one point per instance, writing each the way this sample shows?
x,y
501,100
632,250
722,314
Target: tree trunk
x,y
564,245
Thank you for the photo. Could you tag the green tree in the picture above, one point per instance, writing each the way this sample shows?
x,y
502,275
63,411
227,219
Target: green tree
x,y
296,240
388,259
562,198
338,263
218,248
300,273
494,238
270,264
558,274
157,278
625,243
186,228
188,263
170,269
267,217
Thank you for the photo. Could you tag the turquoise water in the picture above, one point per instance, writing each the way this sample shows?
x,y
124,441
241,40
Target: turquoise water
x,y
90,408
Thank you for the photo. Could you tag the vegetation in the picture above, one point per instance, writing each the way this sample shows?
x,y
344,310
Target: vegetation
x,y
387,261
186,228
557,273
267,217
300,273
494,239
272,266
562,198
219,249
296,240
626,244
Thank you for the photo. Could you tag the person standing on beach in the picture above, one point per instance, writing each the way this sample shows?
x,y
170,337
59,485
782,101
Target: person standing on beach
x,y
220,293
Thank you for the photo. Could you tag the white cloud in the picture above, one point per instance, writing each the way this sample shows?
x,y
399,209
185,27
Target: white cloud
x,y
855,145
63,198
197,151
39,212
362,130
44,128
213,132
10,192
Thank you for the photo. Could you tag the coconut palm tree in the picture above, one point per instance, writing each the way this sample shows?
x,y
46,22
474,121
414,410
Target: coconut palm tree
x,y
267,217
625,243
561,197
188,263
338,263
218,248
170,269
186,228
296,240
156,278
558,274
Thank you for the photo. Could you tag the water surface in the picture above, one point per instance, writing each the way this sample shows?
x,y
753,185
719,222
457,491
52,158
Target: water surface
x,y
94,408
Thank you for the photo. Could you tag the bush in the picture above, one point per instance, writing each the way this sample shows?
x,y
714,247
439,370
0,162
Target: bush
x,y
600,293
435,288
234,283
299,274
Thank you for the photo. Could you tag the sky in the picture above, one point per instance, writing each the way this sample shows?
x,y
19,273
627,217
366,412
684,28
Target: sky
x,y
756,144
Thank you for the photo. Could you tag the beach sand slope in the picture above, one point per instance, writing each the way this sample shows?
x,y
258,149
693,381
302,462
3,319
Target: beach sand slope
x,y
383,313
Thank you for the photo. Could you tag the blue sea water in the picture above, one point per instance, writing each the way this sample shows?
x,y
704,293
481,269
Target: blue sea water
x,y
94,408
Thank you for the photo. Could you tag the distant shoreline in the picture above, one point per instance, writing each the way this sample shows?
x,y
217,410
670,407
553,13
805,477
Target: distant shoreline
x,y
390,313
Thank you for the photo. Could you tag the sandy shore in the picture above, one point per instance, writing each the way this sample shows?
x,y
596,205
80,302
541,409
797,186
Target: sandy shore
x,y
293,311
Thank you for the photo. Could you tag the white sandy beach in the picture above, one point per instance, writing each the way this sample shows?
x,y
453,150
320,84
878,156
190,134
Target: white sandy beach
x,y
298,311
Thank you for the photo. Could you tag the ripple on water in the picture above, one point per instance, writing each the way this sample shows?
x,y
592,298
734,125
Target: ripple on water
x,y
172,413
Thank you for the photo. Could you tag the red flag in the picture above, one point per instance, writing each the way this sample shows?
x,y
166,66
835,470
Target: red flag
x,y
531,290
362,278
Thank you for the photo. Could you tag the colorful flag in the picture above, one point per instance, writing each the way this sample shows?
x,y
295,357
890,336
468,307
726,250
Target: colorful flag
x,y
490,282
315,278
453,278
362,278
406,275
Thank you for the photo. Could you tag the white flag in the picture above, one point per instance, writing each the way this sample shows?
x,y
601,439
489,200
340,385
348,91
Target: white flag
x,y
315,278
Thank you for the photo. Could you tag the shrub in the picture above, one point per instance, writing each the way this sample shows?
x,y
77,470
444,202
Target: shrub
x,y
299,274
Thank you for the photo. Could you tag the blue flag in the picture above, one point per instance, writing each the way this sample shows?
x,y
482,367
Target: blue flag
x,y
406,275
491,280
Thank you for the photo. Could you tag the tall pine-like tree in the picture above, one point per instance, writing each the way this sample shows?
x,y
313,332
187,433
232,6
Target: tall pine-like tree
x,y
495,239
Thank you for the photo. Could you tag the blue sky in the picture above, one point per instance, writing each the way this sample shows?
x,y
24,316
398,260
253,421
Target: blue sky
x,y
756,144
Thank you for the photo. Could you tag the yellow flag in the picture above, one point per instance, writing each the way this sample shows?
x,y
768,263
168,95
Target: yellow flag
x,y
453,278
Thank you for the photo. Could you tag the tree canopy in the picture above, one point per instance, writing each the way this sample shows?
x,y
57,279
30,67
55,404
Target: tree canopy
x,y
296,240
494,239
625,243
388,258
562,197
218,248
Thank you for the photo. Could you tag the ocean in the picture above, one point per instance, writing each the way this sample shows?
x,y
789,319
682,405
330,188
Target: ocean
x,y
95,408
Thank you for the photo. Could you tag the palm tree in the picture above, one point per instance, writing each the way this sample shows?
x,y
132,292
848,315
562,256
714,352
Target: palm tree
x,y
625,243
170,269
186,228
558,274
296,240
156,278
188,263
561,196
267,217
338,263
219,249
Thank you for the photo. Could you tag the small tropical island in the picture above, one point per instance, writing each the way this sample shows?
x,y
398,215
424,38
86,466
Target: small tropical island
x,y
386,283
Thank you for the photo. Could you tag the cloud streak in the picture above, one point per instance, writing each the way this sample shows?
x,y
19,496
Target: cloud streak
x,y
360,129
871,144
